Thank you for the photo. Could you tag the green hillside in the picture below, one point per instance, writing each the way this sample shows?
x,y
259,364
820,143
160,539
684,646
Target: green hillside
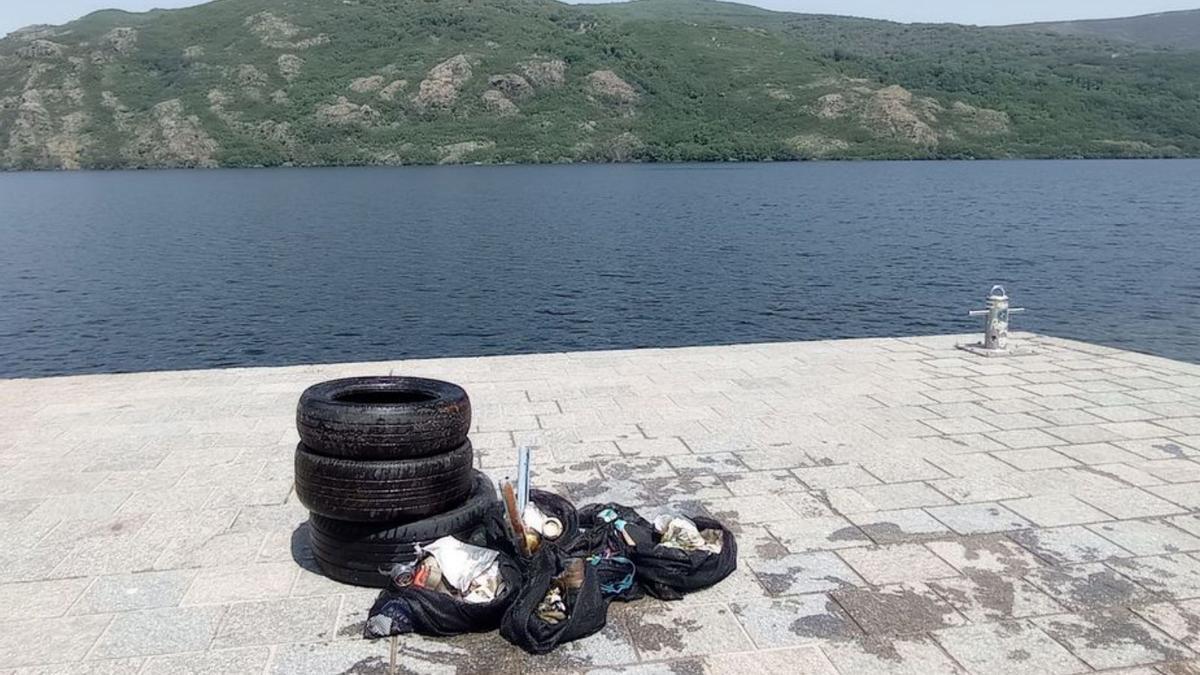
x,y
1178,30
316,82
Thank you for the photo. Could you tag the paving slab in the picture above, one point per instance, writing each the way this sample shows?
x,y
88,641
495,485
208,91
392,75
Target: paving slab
x,y
663,631
983,597
818,534
158,631
898,609
273,621
1179,620
986,554
1113,639
908,655
1090,586
1007,649
801,573
1055,510
1147,537
786,622
49,641
897,563
808,660
39,599
904,525
216,662
1173,576
1130,503
131,666
129,592
981,518
1065,545
147,520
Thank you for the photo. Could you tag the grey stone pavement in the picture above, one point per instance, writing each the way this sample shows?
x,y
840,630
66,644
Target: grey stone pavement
x,y
901,506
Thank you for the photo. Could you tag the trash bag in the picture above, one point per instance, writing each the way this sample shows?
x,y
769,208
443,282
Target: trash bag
x,y
559,508
665,572
611,529
548,612
426,611
495,530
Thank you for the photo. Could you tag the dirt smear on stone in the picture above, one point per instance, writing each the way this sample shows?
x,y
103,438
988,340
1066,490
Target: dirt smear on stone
x,y
1002,552
373,665
1108,629
771,550
775,583
1103,588
1170,449
688,667
833,623
903,610
891,533
996,594
655,637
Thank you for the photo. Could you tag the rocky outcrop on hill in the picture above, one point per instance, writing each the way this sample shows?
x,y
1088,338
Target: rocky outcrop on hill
x,y
896,114
513,86
982,121
545,72
609,86
456,153
366,85
277,32
441,85
498,103
289,66
817,146
40,49
345,113
389,92
169,137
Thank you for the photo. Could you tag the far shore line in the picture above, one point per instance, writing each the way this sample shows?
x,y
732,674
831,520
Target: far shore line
x,y
694,163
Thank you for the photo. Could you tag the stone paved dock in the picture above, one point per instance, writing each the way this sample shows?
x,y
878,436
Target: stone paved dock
x,y
901,506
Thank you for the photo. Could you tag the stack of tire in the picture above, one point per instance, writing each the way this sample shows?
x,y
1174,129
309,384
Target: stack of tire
x,y
384,463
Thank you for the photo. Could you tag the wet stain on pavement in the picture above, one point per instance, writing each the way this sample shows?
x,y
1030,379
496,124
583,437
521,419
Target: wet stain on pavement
x,y
897,610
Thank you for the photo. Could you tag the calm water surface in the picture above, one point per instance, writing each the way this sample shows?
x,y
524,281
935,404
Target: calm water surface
x,y
103,272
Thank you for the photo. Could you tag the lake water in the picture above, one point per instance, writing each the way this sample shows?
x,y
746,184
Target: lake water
x,y
125,271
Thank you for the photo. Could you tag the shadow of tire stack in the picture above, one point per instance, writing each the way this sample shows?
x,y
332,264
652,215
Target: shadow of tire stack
x,y
383,464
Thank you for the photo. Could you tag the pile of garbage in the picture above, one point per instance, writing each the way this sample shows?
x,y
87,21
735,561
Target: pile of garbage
x,y
557,587
385,467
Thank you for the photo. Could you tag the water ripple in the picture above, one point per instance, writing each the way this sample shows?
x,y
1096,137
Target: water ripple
x,y
103,272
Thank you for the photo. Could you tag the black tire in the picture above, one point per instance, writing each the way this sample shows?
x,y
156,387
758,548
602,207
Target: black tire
x,y
383,491
353,553
383,417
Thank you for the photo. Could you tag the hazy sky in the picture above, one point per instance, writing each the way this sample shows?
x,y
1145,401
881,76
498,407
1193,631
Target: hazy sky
x,y
17,13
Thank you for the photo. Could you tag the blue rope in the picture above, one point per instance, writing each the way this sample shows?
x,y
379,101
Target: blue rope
x,y
621,586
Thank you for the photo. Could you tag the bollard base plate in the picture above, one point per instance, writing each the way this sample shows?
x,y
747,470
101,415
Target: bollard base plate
x,y
978,349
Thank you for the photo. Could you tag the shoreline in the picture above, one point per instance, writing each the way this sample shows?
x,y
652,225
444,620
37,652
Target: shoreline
x,y
721,163
187,371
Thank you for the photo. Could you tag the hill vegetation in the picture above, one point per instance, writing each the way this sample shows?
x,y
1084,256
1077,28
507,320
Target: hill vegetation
x,y
1176,30
363,82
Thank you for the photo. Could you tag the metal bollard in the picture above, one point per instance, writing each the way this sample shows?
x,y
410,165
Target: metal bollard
x,y
995,327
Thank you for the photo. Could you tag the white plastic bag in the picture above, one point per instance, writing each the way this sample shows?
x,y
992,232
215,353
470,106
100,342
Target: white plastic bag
x,y
461,563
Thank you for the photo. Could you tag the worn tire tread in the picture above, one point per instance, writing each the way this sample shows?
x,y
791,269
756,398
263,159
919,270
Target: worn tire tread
x,y
383,490
354,552
337,428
